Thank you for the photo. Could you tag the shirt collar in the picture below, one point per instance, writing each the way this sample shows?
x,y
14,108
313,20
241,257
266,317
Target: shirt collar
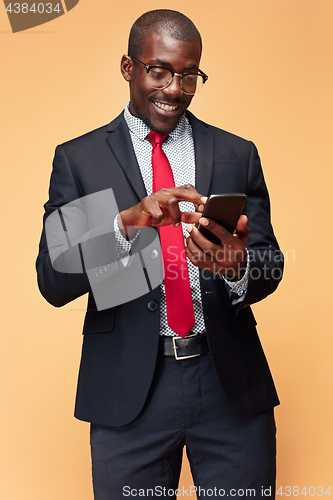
x,y
141,130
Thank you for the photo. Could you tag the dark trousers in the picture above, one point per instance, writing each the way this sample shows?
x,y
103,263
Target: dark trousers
x,y
230,453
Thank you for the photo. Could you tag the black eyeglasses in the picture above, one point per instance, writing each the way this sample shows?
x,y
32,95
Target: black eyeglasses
x,y
160,78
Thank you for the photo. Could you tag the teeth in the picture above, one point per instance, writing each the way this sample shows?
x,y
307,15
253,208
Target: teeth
x,y
166,107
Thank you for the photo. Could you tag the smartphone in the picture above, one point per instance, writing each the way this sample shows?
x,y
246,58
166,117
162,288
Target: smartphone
x,y
225,209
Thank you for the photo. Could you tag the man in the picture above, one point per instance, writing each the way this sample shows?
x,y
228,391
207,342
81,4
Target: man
x,y
145,398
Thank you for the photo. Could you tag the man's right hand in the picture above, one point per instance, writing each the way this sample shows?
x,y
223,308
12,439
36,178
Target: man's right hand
x,y
161,209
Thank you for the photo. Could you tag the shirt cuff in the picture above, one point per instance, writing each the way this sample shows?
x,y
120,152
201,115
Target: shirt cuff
x,y
239,288
123,246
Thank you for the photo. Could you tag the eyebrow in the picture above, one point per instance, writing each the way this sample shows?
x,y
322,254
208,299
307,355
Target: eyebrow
x,y
169,65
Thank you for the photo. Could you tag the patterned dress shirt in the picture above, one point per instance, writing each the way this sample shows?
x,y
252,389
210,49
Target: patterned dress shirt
x,y
179,148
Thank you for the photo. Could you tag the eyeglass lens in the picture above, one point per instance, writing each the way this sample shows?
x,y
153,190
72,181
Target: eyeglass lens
x,y
159,78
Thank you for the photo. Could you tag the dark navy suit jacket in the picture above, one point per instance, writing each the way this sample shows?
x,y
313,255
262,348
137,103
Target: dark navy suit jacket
x,y
120,344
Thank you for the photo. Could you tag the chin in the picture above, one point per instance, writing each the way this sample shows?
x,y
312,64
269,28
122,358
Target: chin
x,y
163,130
160,127
154,123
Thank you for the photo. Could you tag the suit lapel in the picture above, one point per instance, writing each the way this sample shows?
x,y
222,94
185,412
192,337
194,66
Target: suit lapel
x,y
203,145
120,143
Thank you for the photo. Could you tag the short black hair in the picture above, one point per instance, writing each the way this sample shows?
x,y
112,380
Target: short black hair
x,y
170,22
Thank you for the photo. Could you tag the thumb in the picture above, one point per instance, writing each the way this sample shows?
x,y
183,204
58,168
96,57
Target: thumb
x,y
242,225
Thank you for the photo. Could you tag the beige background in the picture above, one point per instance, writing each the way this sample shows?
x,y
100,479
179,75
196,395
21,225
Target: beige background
x,y
270,80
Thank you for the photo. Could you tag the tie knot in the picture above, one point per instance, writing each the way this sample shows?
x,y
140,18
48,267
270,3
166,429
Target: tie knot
x,y
156,138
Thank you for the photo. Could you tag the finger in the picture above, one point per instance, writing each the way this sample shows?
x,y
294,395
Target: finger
x,y
200,207
172,207
242,227
187,193
190,217
202,247
152,209
198,257
194,253
168,199
163,207
219,231
206,244
195,250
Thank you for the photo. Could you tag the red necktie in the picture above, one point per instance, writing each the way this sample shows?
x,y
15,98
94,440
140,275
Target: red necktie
x,y
178,296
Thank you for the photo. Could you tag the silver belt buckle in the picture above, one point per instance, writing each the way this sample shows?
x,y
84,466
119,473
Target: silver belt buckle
x,y
175,349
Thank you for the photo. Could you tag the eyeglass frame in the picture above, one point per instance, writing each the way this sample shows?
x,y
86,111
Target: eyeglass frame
x,y
148,67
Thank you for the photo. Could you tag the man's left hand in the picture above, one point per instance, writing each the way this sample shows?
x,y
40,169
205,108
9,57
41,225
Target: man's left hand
x,y
227,259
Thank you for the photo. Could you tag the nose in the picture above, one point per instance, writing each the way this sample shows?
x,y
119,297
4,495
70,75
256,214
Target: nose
x,y
174,89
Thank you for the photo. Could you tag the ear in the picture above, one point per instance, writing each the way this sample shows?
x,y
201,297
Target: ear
x,y
126,67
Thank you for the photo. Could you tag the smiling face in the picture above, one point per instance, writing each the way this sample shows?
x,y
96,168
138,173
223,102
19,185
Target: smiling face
x,y
160,109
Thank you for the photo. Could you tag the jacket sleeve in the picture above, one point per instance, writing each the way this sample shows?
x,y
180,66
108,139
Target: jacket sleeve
x,y
72,240
266,259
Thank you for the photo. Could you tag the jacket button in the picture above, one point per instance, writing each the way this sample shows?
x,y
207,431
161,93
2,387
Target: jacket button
x,y
152,305
154,254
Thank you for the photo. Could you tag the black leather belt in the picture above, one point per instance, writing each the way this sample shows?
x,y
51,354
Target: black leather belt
x,y
189,347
